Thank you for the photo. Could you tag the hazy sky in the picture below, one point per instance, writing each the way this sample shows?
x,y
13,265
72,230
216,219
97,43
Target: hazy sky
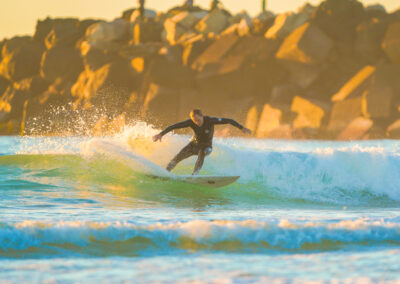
x,y
18,17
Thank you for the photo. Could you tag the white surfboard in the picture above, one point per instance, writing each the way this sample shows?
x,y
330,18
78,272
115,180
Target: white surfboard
x,y
146,167
209,181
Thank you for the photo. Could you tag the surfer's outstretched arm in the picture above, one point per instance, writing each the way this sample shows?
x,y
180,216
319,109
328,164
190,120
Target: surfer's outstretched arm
x,y
178,125
230,121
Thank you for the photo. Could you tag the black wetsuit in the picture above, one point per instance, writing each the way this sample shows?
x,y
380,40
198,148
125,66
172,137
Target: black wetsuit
x,y
201,143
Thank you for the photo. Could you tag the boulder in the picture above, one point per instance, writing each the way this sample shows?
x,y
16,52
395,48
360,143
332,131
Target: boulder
x,y
309,112
135,15
376,86
302,53
94,57
356,85
344,112
357,129
13,99
168,73
215,22
146,31
43,28
393,130
391,42
216,51
254,48
307,44
161,104
193,48
285,23
333,76
66,35
173,30
21,58
103,34
138,64
339,18
252,118
4,83
369,35
106,88
262,23
61,61
270,119
376,9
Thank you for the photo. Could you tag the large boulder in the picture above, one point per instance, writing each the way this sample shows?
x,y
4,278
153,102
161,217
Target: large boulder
x,y
334,75
357,129
161,104
215,22
135,15
216,51
146,31
356,85
103,34
106,88
391,42
376,87
270,124
61,61
13,99
193,48
21,58
310,113
303,51
43,28
169,73
285,23
307,44
95,57
177,25
393,130
344,112
4,83
66,35
339,18
369,35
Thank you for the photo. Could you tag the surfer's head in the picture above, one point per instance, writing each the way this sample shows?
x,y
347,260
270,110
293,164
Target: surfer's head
x,y
197,117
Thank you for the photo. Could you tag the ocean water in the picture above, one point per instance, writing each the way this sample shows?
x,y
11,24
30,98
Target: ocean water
x,y
302,212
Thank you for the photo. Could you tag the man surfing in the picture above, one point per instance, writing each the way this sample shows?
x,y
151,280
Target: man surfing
x,y
201,143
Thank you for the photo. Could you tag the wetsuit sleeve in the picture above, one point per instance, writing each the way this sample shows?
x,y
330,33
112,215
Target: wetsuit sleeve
x,y
216,120
179,125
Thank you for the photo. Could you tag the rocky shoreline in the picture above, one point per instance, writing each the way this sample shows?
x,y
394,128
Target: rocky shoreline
x,y
325,72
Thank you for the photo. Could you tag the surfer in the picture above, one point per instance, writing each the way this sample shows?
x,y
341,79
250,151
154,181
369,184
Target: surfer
x,y
201,143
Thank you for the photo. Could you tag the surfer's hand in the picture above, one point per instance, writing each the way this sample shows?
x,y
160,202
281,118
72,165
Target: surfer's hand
x,y
157,137
246,130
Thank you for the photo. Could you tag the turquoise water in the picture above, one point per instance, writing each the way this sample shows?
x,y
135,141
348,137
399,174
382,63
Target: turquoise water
x,y
302,212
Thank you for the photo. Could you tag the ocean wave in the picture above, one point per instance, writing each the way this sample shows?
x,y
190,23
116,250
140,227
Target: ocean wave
x,y
124,238
351,174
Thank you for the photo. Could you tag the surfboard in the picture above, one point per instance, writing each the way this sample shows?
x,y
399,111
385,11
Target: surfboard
x,y
203,180
142,165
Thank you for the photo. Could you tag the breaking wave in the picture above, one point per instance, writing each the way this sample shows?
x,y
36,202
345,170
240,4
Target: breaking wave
x,y
124,238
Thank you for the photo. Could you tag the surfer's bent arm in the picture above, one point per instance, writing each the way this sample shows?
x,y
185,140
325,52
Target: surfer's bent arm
x,y
178,125
216,120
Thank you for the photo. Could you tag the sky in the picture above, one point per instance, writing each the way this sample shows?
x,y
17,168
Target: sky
x,y
18,17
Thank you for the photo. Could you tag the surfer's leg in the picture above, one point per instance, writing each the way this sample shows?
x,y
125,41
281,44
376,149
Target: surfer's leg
x,y
200,160
185,153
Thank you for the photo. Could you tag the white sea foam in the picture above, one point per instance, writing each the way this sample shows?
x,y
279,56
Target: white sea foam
x,y
200,234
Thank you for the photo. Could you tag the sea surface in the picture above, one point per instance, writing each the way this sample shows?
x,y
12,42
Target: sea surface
x,y
302,212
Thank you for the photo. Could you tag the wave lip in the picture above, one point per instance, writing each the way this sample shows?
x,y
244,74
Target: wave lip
x,y
125,238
